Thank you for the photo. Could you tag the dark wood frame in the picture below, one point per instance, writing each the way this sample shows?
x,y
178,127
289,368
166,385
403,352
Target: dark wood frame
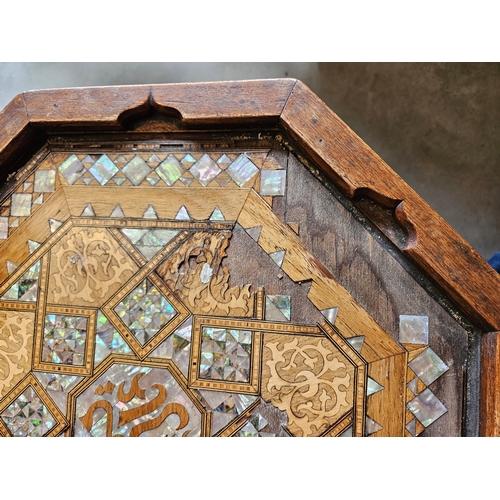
x,y
322,137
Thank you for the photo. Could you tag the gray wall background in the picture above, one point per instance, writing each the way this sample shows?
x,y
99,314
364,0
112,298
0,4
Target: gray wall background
x,y
436,124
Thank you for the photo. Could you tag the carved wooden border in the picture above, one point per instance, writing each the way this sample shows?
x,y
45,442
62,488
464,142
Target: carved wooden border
x,y
338,152
328,142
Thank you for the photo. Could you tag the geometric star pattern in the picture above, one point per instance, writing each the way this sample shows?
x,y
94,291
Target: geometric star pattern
x,y
254,428
27,416
64,339
225,354
145,311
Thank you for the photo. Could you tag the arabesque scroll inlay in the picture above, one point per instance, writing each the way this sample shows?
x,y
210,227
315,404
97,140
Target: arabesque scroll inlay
x,y
16,338
198,277
87,267
309,379
131,400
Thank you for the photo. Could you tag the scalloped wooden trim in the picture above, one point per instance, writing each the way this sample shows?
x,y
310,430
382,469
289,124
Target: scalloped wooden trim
x,y
352,166
89,106
340,154
212,103
242,102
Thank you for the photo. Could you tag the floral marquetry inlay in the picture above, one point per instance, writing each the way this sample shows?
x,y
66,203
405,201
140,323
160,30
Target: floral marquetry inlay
x,y
310,379
16,344
87,266
162,292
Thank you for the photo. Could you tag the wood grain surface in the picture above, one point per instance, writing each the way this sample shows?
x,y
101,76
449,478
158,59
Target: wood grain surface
x,y
330,254
90,106
490,385
357,170
242,102
13,124
377,281
195,103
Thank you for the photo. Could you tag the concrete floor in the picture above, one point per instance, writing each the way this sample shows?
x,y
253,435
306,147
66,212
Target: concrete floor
x,y
436,124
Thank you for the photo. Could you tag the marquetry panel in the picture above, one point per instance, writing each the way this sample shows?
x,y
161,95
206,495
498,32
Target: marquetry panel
x,y
161,291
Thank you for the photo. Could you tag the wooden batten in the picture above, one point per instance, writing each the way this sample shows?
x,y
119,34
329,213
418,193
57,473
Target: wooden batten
x,y
221,103
390,373
490,385
199,202
92,106
196,104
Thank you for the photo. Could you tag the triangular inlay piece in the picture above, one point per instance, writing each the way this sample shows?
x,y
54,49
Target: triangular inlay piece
x,y
153,159
188,159
87,180
39,200
33,245
25,289
372,387
27,185
88,211
182,214
371,426
330,314
223,179
357,342
88,161
135,234
153,180
119,180
30,295
150,213
277,308
107,340
11,266
149,241
120,160
54,225
117,212
224,159
14,223
217,215
254,232
411,427
278,257
346,433
412,385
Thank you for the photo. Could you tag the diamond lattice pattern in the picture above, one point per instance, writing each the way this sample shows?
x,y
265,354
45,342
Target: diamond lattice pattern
x,y
225,354
145,311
